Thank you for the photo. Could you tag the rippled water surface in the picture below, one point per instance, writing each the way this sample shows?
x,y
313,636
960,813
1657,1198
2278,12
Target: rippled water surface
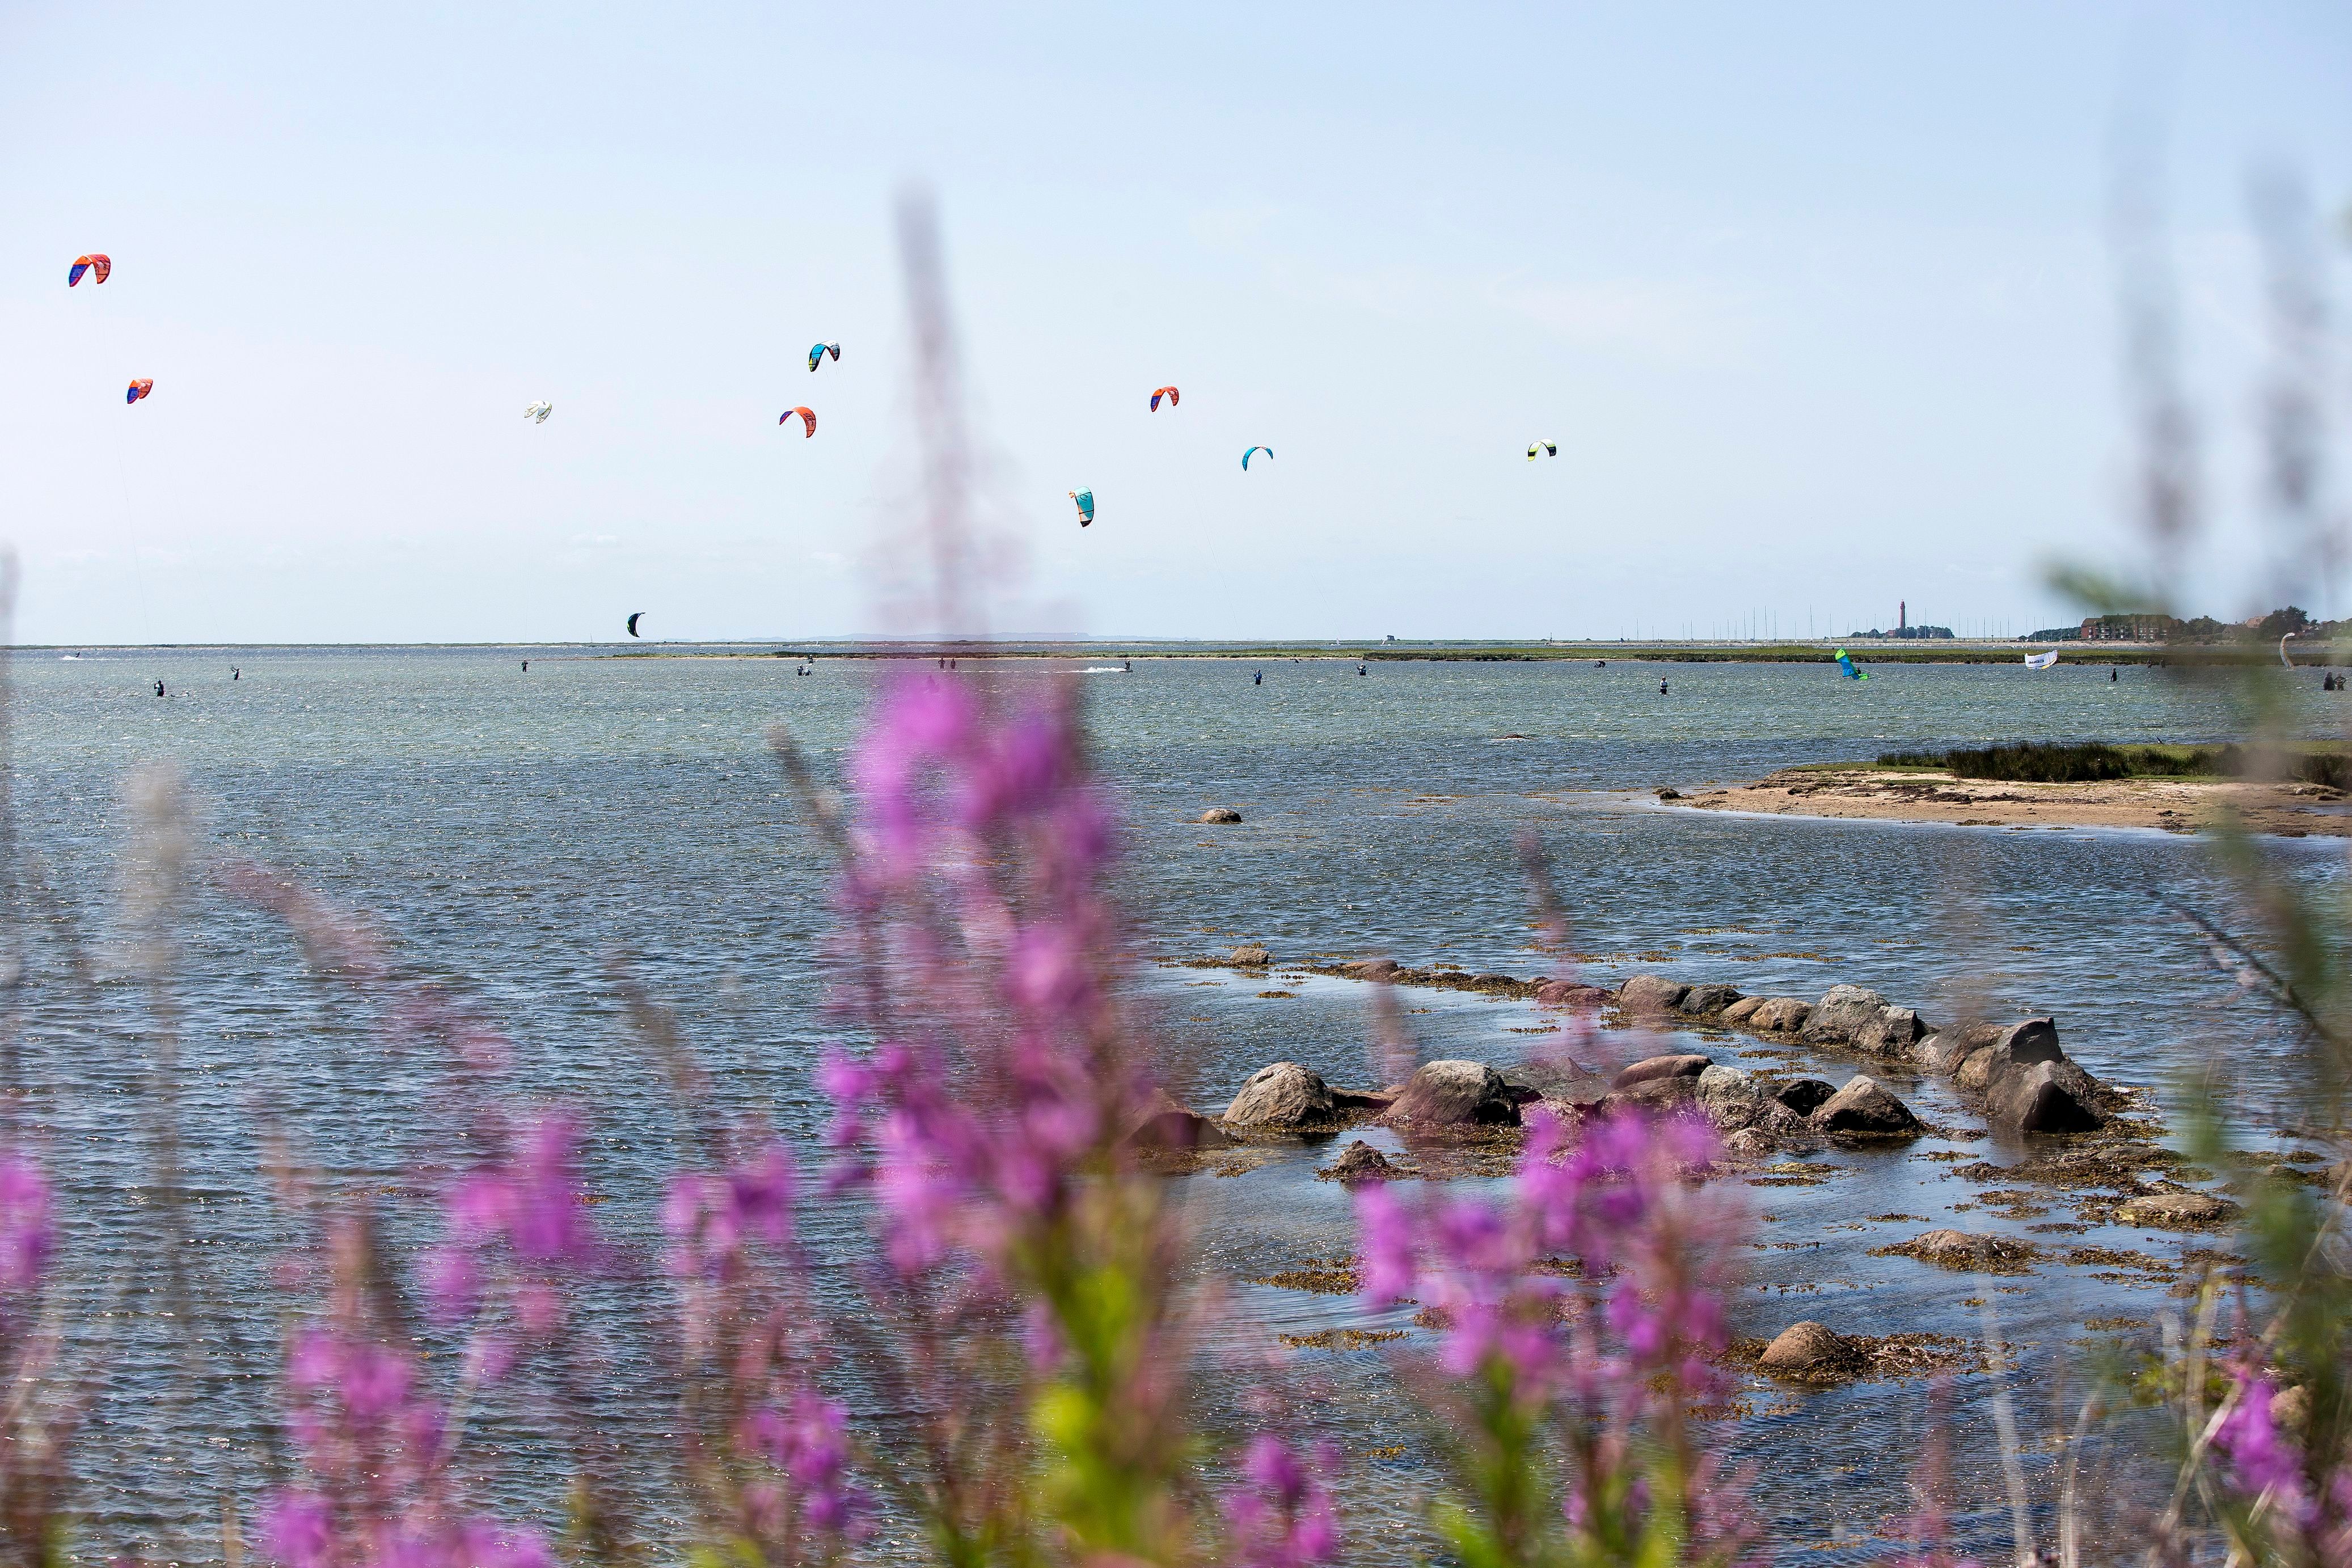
x,y
522,834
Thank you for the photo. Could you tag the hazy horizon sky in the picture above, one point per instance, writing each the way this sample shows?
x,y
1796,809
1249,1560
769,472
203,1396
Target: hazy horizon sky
x,y
1818,303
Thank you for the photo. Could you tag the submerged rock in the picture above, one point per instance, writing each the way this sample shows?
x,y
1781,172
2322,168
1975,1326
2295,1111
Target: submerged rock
x,y
1960,1249
1868,1108
2176,1210
1165,1124
1841,1010
1369,970
1284,1094
1250,955
1558,1080
1219,814
1676,1066
1454,1093
1361,1161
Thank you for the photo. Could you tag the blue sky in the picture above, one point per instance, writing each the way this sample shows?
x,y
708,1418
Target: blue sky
x,y
1817,300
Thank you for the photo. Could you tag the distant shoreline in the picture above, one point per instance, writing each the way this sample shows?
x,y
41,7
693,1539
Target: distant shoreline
x,y
1864,651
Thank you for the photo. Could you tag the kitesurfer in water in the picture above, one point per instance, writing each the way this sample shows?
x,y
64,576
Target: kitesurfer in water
x,y
1259,679
1662,688
2111,674
526,664
234,673
159,688
1359,669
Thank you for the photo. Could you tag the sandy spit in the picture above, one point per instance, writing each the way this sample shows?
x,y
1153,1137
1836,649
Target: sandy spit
x,y
2293,810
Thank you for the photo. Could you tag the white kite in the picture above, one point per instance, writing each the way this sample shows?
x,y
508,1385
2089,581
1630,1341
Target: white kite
x,y
2040,661
538,412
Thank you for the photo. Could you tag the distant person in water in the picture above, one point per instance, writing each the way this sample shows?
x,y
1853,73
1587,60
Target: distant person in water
x,y
159,688
1359,669
1259,679
2111,674
234,673
1662,688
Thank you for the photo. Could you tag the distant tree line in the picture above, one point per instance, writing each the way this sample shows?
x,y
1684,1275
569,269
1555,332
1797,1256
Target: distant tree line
x,y
2153,627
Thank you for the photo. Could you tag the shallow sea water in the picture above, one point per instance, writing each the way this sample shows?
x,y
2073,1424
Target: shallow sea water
x,y
518,832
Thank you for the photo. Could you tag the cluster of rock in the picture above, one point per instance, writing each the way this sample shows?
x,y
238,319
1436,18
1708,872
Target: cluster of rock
x,y
2018,1073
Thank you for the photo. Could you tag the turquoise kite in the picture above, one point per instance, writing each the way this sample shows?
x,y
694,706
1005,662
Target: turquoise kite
x,y
1085,500
1845,667
1245,456
819,350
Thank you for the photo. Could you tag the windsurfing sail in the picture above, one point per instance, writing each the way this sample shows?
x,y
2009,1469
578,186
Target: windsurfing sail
x,y
536,412
806,414
1168,392
2040,661
1085,500
1846,668
1245,456
633,623
138,388
817,351
94,264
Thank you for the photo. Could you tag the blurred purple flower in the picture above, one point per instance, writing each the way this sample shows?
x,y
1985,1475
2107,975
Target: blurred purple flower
x,y
295,1531
26,1234
1287,1521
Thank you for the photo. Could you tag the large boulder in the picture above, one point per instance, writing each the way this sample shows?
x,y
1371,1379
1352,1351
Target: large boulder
x,y
1572,994
1454,1094
1164,1125
1370,968
1225,814
1868,1108
1780,1015
1841,1010
2018,1045
1700,1000
1803,1095
1250,955
1282,1096
2045,1097
1949,1047
1719,1084
1677,1066
1649,995
1891,1032
1811,1350
1740,1011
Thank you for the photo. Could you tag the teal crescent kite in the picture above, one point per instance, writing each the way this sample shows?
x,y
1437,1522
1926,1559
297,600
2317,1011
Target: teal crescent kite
x,y
1245,456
